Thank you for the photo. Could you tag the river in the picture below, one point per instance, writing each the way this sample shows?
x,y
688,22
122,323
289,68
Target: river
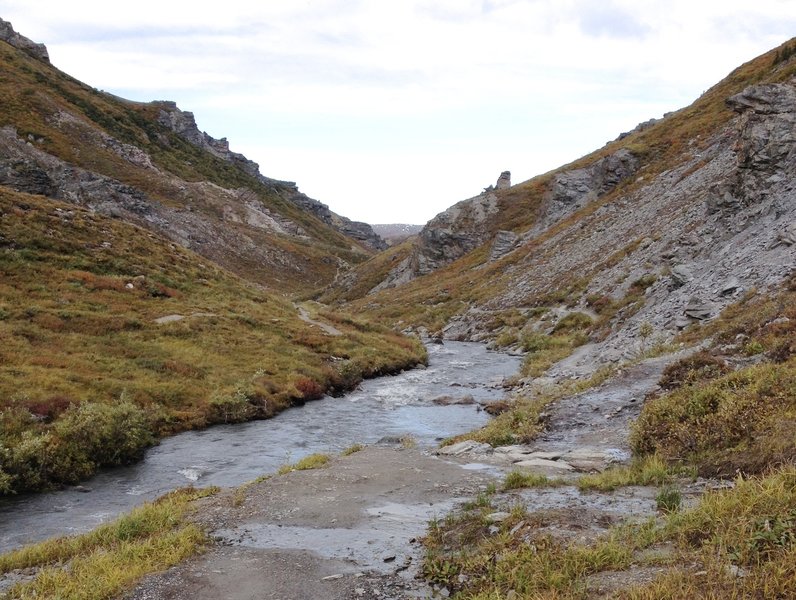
x,y
229,455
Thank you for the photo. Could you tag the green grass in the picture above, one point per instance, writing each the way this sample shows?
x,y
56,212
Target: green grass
x,y
313,461
105,562
647,470
471,562
353,449
751,526
740,421
520,424
517,479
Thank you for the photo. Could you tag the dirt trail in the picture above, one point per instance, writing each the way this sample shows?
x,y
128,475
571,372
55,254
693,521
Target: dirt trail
x,y
305,316
350,530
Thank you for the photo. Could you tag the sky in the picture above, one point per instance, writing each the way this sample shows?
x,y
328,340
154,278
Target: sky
x,y
390,112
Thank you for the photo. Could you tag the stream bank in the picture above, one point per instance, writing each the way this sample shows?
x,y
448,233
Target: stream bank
x,y
385,408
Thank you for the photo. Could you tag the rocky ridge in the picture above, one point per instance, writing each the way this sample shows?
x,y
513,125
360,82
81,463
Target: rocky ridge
x,y
183,123
448,236
714,227
151,165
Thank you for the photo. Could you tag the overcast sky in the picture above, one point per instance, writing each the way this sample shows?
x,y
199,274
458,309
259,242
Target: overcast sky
x,y
391,111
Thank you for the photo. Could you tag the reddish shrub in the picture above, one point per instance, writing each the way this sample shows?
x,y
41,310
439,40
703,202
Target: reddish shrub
x,y
50,408
309,388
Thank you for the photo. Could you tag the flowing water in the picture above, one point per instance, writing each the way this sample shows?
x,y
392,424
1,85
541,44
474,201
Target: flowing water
x,y
228,455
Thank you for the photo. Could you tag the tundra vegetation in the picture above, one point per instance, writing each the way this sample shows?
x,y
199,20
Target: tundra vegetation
x,y
91,379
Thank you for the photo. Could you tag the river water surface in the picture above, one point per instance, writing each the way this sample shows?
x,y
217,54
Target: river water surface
x,y
229,455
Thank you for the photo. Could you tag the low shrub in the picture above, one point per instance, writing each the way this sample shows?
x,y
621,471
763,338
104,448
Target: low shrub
x,y
699,367
741,421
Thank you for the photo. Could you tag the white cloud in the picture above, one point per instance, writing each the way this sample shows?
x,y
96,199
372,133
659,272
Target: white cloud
x,y
422,102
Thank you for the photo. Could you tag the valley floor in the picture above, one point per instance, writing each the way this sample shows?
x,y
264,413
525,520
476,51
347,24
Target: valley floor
x,y
352,528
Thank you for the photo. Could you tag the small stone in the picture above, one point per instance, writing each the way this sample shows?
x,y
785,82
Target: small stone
x,y
497,517
389,559
681,275
697,309
735,571
332,577
465,447
730,286
517,527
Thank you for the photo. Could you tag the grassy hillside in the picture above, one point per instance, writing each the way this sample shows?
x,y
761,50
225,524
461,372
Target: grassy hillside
x,y
88,376
85,127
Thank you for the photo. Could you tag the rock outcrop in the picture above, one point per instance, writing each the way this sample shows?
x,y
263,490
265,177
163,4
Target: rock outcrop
x,y
466,225
504,181
357,230
8,35
572,190
452,234
183,123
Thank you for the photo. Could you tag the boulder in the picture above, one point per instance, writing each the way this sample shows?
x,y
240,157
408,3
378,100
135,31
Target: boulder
x,y
503,243
545,466
504,181
698,309
787,235
465,447
681,275
451,400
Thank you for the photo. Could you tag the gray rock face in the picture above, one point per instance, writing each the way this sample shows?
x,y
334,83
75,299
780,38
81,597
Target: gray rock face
x,y
8,35
572,190
357,230
183,123
504,242
504,181
766,150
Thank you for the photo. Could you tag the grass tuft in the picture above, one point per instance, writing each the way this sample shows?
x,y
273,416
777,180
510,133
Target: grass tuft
x,y
313,461
106,561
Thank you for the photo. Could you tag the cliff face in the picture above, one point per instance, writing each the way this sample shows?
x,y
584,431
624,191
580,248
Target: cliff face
x,y
151,165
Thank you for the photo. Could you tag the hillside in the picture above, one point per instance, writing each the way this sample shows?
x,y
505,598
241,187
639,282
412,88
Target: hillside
x,y
114,336
149,164
657,231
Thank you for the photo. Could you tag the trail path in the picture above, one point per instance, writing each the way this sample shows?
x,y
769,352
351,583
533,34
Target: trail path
x,y
351,530
305,316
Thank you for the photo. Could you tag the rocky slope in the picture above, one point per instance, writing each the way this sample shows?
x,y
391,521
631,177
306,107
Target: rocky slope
x,y
150,164
394,233
664,227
